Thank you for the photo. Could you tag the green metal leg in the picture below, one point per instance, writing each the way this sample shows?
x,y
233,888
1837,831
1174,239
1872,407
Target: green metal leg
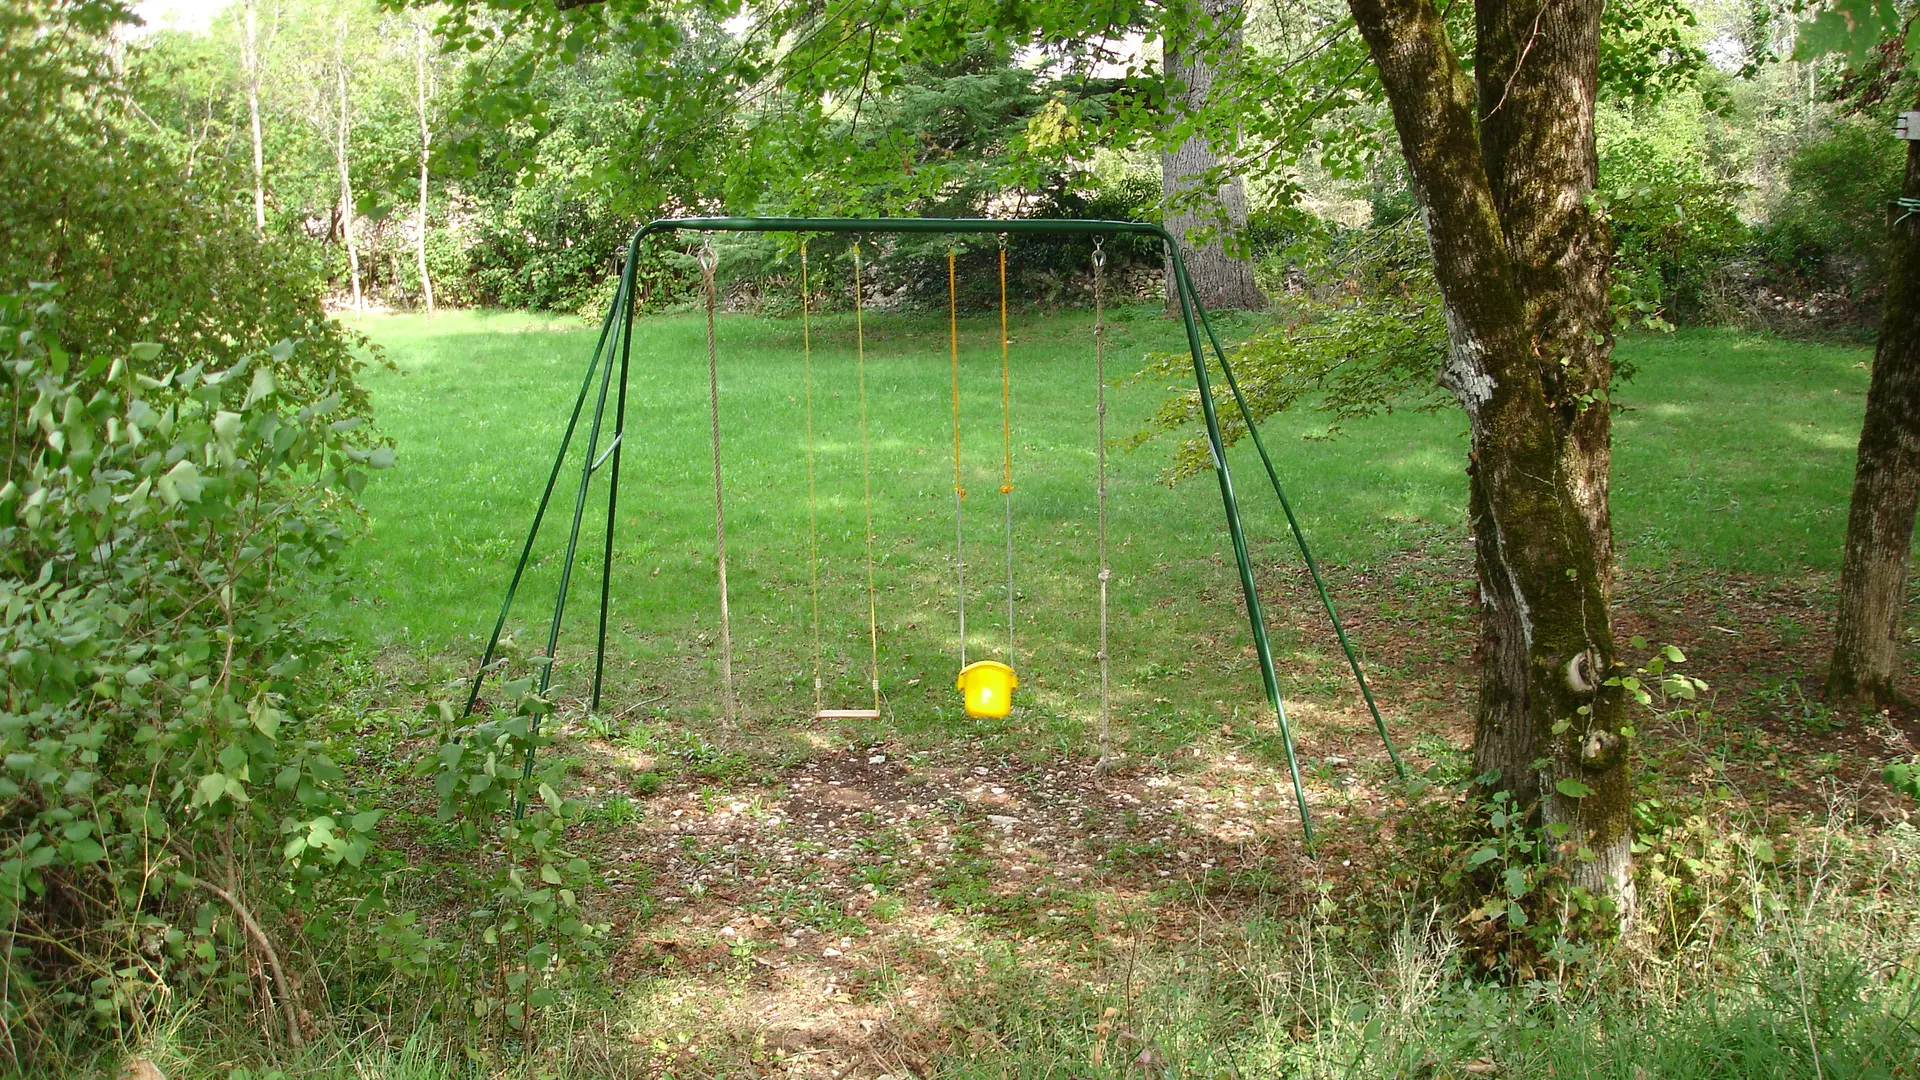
x,y
613,493
540,512
1256,617
1306,554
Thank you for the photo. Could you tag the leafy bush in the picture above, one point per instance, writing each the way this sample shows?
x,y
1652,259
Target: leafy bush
x,y
186,435
525,936
1831,228
157,531
1673,232
1671,197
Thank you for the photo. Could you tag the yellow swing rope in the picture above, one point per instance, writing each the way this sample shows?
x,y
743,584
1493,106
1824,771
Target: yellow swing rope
x,y
813,512
866,479
959,490
1006,440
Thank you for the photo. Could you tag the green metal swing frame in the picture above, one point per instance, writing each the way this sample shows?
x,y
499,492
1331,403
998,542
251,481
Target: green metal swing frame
x,y
616,330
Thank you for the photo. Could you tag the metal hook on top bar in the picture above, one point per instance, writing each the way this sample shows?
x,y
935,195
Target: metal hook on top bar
x,y
1099,252
709,257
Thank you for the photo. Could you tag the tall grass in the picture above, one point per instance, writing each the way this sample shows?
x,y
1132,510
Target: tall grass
x,y
1821,980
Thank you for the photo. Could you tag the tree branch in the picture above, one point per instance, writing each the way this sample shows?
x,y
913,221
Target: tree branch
x,y
265,945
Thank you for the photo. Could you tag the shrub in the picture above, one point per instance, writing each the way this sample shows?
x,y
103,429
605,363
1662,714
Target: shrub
x,y
1672,207
1831,227
95,201
186,435
157,531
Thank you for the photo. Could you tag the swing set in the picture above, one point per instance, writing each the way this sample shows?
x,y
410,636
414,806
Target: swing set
x,y
986,686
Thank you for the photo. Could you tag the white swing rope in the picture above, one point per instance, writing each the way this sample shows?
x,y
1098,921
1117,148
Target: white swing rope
x,y
709,259
1107,759
866,479
959,491
813,511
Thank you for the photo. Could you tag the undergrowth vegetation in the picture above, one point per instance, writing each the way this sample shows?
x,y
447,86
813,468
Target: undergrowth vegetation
x,y
664,896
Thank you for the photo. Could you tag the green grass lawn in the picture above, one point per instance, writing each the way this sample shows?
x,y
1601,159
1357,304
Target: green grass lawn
x,y
1733,452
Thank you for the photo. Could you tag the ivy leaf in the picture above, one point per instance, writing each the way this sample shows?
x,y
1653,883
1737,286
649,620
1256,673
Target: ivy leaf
x,y
1572,789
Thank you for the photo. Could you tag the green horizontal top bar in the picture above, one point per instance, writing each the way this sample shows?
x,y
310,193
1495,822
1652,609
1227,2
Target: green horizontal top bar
x,y
900,225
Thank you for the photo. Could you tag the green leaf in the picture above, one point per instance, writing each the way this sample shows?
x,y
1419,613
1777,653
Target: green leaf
x,y
209,790
182,483
1572,789
263,385
1482,857
1516,882
1854,28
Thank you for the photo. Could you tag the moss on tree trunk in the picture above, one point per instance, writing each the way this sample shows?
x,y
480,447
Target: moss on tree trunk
x,y
1503,169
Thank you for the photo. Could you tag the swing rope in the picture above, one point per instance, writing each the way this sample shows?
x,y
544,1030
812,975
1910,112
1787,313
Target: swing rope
x,y
959,490
1006,440
866,480
709,259
813,509
1100,429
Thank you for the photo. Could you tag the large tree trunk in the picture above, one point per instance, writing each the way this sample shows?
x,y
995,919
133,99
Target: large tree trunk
x,y
1503,175
426,144
342,160
250,67
1886,485
1222,280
